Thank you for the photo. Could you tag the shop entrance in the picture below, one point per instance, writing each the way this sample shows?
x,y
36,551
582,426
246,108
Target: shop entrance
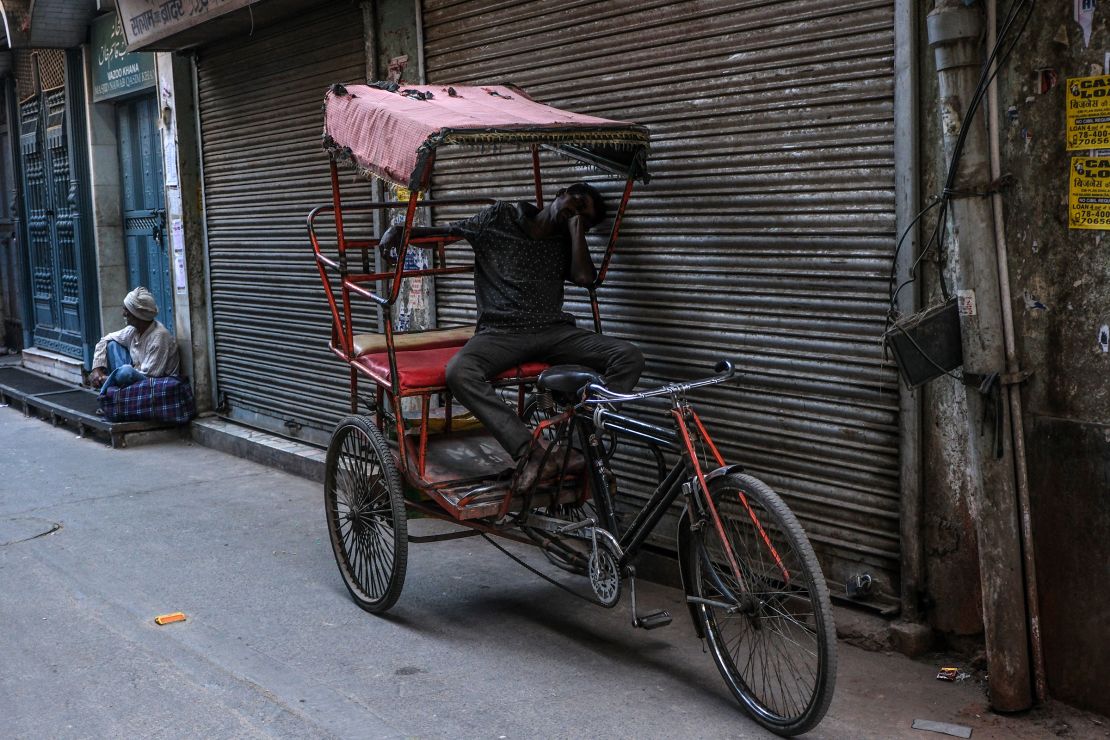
x,y
52,215
143,201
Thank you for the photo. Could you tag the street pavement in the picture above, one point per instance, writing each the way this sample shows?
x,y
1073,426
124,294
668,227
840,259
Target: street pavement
x,y
273,647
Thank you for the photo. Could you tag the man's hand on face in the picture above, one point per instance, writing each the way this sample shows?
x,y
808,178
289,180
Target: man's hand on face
x,y
390,240
578,225
97,377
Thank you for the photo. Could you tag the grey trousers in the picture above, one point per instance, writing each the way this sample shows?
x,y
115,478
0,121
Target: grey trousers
x,y
488,355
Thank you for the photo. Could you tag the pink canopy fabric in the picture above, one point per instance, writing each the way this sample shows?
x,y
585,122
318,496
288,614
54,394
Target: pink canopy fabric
x,y
392,134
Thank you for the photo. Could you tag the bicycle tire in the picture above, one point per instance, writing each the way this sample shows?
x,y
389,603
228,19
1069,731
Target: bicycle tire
x,y
785,625
365,508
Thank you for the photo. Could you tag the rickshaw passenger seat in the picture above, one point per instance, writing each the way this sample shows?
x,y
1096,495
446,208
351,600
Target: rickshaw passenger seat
x,y
371,343
426,369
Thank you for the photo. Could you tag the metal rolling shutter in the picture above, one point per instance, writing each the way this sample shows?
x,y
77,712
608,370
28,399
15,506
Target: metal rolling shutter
x,y
766,234
264,169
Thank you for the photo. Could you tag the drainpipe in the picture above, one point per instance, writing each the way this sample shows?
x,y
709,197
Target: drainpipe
x,y
1013,369
907,174
213,380
954,30
373,73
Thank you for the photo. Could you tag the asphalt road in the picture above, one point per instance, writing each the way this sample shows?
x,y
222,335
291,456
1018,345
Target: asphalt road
x,y
476,647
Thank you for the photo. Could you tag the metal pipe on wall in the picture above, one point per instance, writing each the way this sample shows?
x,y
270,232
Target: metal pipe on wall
x,y
1013,366
419,9
908,199
213,376
954,31
370,31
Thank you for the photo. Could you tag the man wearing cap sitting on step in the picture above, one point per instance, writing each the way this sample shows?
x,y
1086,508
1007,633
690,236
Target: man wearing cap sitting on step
x,y
142,349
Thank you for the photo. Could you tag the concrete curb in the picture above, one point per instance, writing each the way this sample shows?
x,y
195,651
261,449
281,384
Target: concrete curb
x,y
287,455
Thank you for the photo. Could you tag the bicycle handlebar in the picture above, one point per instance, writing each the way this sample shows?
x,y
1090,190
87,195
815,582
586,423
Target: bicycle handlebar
x,y
595,393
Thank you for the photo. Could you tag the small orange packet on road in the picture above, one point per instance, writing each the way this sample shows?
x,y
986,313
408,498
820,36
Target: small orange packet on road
x,y
169,618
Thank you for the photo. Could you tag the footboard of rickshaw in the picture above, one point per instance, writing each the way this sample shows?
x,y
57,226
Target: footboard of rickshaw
x,y
457,466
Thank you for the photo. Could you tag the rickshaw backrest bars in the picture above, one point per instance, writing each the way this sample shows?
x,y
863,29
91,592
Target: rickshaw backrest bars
x,y
394,134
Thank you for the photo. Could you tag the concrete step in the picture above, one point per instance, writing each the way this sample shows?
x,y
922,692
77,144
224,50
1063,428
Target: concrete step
x,y
284,454
64,403
54,365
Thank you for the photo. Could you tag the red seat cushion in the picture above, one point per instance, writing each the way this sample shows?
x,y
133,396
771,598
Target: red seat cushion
x,y
426,369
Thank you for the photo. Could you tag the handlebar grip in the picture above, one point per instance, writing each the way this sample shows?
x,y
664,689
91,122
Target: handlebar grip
x,y
724,366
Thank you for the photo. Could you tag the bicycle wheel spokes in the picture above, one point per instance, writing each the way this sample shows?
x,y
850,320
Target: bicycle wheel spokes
x,y
366,514
775,643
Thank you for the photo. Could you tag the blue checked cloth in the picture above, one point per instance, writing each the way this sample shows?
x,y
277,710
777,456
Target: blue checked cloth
x,y
154,399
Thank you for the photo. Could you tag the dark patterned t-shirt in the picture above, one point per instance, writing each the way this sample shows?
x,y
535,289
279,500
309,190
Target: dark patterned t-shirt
x,y
518,280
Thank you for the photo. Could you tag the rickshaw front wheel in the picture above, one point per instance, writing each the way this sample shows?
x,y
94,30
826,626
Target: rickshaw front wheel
x,y
366,517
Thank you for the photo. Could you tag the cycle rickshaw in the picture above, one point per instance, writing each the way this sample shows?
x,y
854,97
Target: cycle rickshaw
x,y
754,590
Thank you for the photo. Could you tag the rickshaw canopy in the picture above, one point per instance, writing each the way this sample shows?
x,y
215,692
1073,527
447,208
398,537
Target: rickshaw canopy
x,y
393,132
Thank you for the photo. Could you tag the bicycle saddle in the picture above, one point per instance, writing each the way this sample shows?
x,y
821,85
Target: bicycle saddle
x,y
565,381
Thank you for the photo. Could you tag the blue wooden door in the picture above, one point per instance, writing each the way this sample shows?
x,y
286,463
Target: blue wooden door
x,y
50,200
143,204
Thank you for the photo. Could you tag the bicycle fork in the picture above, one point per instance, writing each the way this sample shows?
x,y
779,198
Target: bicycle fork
x,y
742,600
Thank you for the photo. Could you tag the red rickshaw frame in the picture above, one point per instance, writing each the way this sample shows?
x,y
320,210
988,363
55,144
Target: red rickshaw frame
x,y
612,147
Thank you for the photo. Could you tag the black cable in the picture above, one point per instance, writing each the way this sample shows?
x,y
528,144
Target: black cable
x,y
552,581
990,71
893,292
1004,45
938,238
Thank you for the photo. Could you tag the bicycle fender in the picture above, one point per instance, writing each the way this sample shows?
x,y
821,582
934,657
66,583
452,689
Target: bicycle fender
x,y
724,470
686,569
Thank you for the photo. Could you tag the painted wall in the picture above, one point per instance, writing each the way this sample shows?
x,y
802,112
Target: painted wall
x,y
1060,279
184,220
1061,283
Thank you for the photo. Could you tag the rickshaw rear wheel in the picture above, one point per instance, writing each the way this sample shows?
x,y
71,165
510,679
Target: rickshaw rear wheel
x,y
366,517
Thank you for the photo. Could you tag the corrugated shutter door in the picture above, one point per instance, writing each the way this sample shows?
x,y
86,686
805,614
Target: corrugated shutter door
x,y
766,234
264,169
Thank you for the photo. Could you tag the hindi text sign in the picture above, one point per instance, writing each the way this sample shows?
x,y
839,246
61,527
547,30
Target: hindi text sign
x,y
147,21
1089,193
1088,112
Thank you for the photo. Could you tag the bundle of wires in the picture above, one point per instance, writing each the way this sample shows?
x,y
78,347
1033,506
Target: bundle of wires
x,y
1017,17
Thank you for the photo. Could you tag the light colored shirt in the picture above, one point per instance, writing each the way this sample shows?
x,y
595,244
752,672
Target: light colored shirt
x,y
153,353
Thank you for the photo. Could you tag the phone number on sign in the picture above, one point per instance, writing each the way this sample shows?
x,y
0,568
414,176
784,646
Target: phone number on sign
x,y
1090,217
1082,138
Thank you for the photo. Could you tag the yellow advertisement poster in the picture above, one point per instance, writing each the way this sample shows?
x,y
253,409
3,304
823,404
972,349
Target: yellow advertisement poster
x,y
1089,193
1088,115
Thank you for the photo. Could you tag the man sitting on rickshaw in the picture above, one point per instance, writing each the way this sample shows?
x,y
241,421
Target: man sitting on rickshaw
x,y
522,255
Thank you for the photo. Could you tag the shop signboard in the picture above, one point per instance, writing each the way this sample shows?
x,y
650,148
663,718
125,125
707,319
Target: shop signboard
x,y
116,71
147,21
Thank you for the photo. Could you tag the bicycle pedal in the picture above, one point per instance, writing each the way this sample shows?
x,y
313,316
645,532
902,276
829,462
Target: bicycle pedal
x,y
654,620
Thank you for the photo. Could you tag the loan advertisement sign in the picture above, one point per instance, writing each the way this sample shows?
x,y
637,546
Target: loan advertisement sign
x,y
116,71
1089,193
147,21
1088,112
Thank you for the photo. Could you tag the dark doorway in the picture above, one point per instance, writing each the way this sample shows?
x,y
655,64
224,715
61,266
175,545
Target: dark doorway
x,y
11,265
